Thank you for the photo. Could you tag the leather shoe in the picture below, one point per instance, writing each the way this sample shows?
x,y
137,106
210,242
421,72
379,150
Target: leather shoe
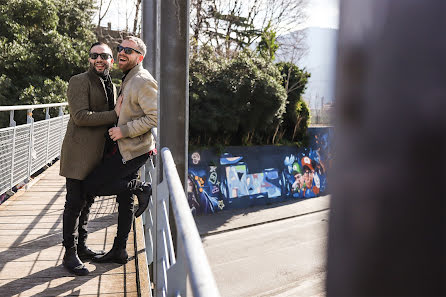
x,y
115,255
85,253
73,264
143,193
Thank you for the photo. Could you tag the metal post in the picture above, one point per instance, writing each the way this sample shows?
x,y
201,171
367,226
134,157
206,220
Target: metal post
x,y
387,225
150,35
29,116
61,127
160,225
30,120
174,90
11,183
48,127
12,123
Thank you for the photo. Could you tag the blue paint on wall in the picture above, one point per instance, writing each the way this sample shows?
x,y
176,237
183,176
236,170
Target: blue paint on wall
x,y
245,176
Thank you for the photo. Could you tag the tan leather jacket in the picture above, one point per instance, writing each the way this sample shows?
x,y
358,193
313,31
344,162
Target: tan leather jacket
x,y
138,113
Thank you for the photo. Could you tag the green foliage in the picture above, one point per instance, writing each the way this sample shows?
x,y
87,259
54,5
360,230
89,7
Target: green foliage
x,y
297,116
233,101
268,45
245,100
116,75
42,44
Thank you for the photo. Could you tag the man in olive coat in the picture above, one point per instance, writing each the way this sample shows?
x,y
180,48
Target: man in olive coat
x,y
91,102
133,145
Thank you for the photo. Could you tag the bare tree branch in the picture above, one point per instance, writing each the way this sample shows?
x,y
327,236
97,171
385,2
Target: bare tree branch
x,y
100,18
136,21
230,25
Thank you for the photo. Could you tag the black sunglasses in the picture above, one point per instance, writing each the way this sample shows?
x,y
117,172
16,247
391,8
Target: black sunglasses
x,y
127,50
104,56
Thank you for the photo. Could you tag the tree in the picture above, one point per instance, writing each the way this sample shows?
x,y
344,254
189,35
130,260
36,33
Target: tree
x,y
137,19
233,101
103,10
268,45
297,115
42,44
231,25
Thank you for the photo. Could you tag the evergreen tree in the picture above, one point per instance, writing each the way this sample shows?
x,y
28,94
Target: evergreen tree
x,y
233,101
268,45
42,44
297,115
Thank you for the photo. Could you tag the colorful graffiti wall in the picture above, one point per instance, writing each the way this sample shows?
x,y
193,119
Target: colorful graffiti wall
x,y
245,176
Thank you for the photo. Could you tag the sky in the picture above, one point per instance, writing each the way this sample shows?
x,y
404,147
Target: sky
x,y
121,14
321,13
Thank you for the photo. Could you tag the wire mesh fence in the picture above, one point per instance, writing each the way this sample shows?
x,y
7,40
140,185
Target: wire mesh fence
x,y
25,149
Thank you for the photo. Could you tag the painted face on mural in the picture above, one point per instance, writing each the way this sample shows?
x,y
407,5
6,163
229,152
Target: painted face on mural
x,y
308,177
299,181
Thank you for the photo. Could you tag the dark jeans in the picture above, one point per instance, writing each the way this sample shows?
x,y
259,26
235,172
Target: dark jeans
x,y
75,215
111,178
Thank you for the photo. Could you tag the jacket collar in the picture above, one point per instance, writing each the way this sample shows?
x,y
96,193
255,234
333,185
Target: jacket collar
x,y
131,73
94,77
97,80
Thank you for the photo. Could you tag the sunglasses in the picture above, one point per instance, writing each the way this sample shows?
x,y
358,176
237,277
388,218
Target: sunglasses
x,y
127,50
104,56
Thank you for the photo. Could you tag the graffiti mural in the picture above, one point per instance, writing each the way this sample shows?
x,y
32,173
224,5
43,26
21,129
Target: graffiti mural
x,y
246,176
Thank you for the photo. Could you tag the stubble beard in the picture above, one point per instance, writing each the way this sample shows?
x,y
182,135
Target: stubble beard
x,y
129,65
105,72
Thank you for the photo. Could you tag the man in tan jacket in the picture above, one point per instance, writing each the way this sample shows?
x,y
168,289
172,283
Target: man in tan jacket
x,y
133,145
91,100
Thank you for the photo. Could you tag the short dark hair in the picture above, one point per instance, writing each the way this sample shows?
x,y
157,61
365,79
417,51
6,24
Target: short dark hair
x,y
99,43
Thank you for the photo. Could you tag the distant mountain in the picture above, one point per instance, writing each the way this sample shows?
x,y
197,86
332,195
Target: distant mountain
x,y
319,59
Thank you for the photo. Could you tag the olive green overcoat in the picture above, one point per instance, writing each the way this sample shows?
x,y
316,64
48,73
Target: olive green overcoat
x,y
83,144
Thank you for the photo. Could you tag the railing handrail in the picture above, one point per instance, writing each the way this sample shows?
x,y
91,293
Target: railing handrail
x,y
36,106
154,131
200,275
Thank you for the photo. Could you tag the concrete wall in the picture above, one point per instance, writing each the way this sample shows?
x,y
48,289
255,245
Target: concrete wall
x,y
241,177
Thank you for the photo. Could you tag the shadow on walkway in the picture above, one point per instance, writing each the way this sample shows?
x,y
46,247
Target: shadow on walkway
x,y
234,219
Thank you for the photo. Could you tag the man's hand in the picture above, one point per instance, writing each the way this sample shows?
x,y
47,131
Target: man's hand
x,y
115,133
118,105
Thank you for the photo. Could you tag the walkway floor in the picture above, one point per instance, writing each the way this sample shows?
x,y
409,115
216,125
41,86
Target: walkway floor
x,y
31,249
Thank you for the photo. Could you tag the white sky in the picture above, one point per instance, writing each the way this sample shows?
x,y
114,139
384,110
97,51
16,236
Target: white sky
x,y
120,14
321,13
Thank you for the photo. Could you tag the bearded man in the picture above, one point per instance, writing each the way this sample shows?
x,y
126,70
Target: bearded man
x,y
91,102
132,145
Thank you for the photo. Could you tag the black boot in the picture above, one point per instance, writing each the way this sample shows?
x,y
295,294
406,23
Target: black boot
x,y
143,191
118,254
72,262
85,253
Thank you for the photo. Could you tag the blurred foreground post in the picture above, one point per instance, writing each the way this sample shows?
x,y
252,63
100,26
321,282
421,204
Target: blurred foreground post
x,y
388,221
174,86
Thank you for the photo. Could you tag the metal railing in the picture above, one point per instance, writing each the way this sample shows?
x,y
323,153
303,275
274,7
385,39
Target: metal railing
x,y
172,265
25,149
188,259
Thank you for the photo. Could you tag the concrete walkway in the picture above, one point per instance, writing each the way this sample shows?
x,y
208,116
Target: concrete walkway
x,y
31,249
